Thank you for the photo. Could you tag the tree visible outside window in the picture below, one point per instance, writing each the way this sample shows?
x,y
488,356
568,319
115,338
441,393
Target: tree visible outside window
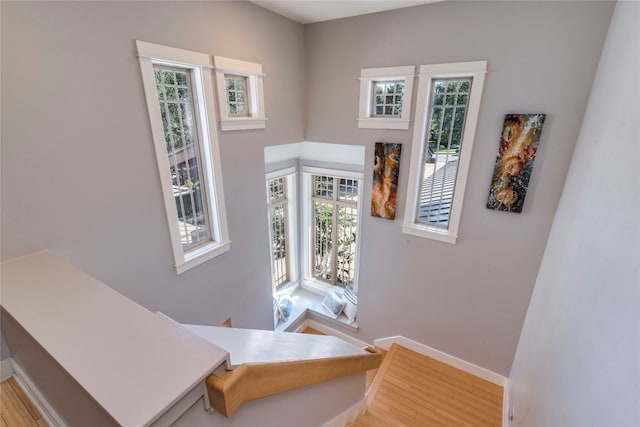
x,y
236,95
183,152
335,222
387,98
278,219
179,98
446,115
450,100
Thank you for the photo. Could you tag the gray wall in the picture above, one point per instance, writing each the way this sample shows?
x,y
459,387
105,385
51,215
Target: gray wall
x,y
79,175
577,360
467,299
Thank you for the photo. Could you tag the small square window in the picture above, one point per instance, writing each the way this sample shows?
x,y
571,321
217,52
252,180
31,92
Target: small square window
x,y
240,94
385,97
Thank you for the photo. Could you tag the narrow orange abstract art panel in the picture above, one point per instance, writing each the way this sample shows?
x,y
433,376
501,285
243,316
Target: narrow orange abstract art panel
x,y
514,163
385,180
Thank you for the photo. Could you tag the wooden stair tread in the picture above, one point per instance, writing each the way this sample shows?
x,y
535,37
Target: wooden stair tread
x,y
411,389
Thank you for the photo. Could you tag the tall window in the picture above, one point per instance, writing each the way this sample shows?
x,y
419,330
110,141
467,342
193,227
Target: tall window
x,y
446,123
335,225
278,220
180,105
448,105
175,98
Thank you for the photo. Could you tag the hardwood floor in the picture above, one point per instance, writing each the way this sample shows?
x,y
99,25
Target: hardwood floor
x,y
414,390
15,408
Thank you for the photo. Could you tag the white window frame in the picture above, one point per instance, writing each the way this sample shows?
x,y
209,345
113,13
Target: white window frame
x,y
290,176
309,282
368,77
254,96
476,70
199,64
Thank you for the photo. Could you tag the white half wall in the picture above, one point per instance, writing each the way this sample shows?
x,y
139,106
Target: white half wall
x,y
578,359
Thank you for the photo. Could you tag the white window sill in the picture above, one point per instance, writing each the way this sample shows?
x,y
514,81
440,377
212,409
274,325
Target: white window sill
x,y
243,123
203,254
429,233
383,123
307,304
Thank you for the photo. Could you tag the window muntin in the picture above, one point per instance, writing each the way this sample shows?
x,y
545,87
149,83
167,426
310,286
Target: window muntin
x,y
179,98
175,99
335,224
450,98
240,94
447,108
236,95
387,98
278,220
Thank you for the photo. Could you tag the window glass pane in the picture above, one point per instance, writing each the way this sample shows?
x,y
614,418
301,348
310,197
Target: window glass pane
x,y
236,95
387,99
183,153
276,189
446,127
323,240
279,242
323,186
348,189
347,226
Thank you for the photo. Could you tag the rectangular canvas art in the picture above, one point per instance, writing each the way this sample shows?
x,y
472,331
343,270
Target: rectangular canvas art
x,y
514,163
386,167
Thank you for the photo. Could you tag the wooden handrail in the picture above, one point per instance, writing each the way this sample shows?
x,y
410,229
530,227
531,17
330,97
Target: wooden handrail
x,y
254,381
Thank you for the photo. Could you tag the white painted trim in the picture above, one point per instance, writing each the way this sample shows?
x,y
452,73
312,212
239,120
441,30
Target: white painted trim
x,y
204,109
340,173
280,173
242,123
348,415
388,73
366,119
476,70
255,94
172,55
202,255
6,369
237,66
382,123
47,411
506,402
463,365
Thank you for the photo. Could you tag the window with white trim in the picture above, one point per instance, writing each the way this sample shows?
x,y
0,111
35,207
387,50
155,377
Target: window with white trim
x,y
446,115
333,224
240,94
385,97
279,222
181,109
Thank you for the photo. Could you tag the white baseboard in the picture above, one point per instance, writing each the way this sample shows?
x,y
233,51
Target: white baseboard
x,y
463,365
31,391
506,403
6,369
350,414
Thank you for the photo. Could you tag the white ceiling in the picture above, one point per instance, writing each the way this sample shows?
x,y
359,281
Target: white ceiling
x,y
310,11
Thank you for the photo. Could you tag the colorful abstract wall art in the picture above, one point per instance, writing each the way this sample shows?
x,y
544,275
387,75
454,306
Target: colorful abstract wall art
x,y
386,168
514,163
